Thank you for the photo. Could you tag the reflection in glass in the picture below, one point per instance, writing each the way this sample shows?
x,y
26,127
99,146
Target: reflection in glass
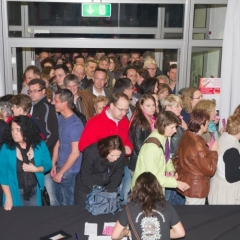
x,y
174,15
205,62
15,34
209,21
14,13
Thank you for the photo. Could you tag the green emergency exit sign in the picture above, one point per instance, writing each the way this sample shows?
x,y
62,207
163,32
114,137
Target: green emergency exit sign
x,y
96,10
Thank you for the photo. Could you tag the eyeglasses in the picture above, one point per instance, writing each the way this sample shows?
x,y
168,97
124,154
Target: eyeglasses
x,y
200,97
34,91
151,69
122,110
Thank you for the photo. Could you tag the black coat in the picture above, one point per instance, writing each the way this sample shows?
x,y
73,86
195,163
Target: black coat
x,y
98,171
175,139
137,136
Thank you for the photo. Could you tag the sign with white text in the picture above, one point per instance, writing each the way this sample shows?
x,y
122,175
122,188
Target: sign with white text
x,y
210,89
96,10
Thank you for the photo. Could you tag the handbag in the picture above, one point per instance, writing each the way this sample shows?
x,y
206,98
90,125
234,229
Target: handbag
x,y
131,223
44,194
100,202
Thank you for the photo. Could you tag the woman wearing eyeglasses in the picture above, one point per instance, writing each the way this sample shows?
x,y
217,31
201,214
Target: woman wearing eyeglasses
x,y
22,155
190,97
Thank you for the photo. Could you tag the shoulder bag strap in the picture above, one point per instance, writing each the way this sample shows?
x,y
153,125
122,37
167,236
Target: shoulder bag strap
x,y
131,223
155,141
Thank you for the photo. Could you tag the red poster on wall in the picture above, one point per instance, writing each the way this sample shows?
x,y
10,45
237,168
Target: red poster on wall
x,y
210,89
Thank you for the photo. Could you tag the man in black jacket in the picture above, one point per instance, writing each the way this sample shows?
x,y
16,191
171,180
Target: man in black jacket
x,y
45,113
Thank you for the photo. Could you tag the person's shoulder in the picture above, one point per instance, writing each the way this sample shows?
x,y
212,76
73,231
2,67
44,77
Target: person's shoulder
x,y
97,117
91,148
76,121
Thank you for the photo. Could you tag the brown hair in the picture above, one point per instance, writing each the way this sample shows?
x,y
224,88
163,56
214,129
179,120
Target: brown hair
x,y
116,96
138,118
147,192
162,87
197,118
23,101
233,124
165,119
105,145
237,110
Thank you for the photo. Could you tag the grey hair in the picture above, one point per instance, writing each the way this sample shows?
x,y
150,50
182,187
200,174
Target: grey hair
x,y
66,95
6,107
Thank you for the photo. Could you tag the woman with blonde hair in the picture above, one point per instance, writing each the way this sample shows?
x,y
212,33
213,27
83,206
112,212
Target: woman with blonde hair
x,y
173,104
225,184
190,97
210,107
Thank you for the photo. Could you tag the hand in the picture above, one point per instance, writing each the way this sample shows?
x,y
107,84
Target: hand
x,y
58,177
184,125
127,150
182,186
172,174
176,176
223,129
53,171
29,167
8,204
214,146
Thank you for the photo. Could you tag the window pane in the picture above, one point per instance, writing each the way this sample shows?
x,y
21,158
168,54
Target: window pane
x,y
15,34
161,20
14,13
209,21
206,63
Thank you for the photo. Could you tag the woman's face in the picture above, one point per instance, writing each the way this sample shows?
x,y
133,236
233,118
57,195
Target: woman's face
x,y
16,133
170,130
163,94
155,90
17,110
197,96
51,74
175,108
111,65
148,107
139,79
213,114
113,155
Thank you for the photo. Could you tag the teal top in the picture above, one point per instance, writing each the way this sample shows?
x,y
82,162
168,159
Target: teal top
x,y
8,170
151,158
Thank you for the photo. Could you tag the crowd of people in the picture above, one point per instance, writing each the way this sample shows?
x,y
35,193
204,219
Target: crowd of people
x,y
116,121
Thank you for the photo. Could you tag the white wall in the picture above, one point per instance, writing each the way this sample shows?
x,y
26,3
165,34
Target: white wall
x,y
2,80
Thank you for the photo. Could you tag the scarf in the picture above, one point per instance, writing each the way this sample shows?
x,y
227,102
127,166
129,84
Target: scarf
x,y
29,180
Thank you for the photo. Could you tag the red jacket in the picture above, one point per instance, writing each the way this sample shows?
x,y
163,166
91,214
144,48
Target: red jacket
x,y
100,126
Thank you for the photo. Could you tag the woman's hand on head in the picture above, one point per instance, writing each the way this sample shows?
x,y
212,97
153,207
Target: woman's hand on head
x,y
182,186
29,167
